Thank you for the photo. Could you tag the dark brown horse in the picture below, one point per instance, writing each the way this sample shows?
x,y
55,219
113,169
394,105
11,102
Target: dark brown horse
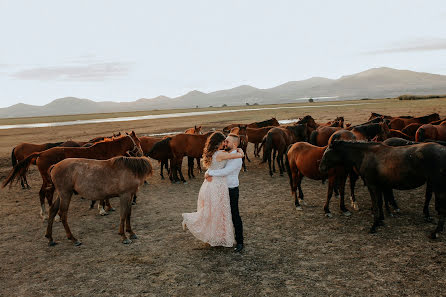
x,y
277,141
322,134
190,161
266,123
185,145
241,131
377,115
384,168
369,131
124,145
161,151
255,135
411,129
303,159
338,122
120,176
400,123
434,132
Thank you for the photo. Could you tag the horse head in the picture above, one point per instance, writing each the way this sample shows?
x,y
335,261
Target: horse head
x,y
135,144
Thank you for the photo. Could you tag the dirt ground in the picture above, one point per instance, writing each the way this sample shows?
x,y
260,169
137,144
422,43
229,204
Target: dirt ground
x,y
287,253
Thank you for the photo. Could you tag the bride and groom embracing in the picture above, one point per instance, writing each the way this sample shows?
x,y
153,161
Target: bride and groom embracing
x,y
217,214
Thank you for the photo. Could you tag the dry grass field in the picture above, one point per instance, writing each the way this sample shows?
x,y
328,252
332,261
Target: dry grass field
x,y
287,253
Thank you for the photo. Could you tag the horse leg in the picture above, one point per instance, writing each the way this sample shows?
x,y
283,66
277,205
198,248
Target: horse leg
x,y
331,181
199,165
63,210
353,177
300,176
256,149
124,206
280,162
161,169
134,199
376,196
92,204
190,167
293,184
245,151
128,227
42,202
101,208
440,207
274,158
269,165
49,229
179,169
243,163
342,179
109,207
427,200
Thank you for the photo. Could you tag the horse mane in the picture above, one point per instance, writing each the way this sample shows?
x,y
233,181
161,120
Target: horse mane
x,y
426,117
106,140
54,144
140,166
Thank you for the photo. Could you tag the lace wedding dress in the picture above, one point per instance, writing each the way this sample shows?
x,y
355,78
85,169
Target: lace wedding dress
x,y
212,223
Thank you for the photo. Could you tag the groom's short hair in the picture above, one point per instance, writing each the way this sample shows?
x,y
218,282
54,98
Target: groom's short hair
x,y
234,138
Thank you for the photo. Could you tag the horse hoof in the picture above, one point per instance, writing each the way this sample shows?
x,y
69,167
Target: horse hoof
x,y
52,243
299,208
77,243
126,241
328,215
133,236
57,218
434,235
336,196
303,202
133,203
347,213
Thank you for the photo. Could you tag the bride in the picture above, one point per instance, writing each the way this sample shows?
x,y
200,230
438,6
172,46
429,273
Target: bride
x,y
212,222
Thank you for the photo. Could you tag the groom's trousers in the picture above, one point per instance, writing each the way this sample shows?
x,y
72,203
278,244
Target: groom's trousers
x,y
236,219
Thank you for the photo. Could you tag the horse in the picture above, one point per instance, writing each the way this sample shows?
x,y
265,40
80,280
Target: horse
x,y
400,123
123,145
255,135
190,161
369,131
322,134
310,123
302,159
411,129
338,122
384,168
377,115
429,131
161,151
266,123
121,176
190,145
243,143
278,139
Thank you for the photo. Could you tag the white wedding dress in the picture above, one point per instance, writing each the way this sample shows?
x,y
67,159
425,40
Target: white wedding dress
x,y
212,222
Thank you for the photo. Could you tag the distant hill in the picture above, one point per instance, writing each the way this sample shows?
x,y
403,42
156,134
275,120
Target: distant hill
x,y
373,83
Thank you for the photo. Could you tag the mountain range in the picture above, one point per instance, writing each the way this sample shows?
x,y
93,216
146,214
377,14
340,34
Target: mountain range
x,y
373,83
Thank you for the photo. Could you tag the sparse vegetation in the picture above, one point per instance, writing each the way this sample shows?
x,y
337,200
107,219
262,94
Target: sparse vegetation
x,y
420,97
224,105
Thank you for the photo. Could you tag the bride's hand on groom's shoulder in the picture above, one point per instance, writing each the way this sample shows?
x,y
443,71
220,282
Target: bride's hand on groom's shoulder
x,y
240,151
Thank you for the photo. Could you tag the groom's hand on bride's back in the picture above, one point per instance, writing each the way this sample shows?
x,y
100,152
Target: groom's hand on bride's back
x,y
208,177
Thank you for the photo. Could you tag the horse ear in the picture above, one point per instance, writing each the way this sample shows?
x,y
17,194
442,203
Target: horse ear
x,y
133,133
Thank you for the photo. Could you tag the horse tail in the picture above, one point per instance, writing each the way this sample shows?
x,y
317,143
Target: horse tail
x,y
13,158
313,137
420,136
288,167
20,169
268,147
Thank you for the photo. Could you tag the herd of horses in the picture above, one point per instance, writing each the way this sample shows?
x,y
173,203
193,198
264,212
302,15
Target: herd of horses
x,y
386,152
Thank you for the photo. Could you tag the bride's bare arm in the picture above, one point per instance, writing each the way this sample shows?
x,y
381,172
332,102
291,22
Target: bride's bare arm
x,y
227,156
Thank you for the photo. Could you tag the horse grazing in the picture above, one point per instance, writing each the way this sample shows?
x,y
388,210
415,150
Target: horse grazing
x,y
190,161
189,145
429,131
255,135
123,145
384,168
121,176
241,131
400,123
302,159
266,123
322,134
277,141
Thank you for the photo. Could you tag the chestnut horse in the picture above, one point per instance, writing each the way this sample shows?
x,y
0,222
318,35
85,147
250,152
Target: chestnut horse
x,y
411,129
303,159
255,135
434,132
243,143
123,145
121,177
277,141
185,145
384,168
190,161
400,123
322,134
266,123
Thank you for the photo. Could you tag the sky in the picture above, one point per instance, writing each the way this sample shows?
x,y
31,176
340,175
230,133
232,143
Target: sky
x,y
107,50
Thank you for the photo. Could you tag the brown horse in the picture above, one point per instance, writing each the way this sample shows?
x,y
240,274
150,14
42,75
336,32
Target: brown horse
x,y
190,161
369,131
338,122
241,131
277,141
384,168
322,134
310,123
185,145
161,151
375,115
429,131
411,129
400,123
123,145
303,159
266,123
255,135
121,176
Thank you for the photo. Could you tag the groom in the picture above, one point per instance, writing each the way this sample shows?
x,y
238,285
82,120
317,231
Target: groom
x,y
231,171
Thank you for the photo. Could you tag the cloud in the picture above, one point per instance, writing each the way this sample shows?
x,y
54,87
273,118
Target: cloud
x,y
418,46
89,72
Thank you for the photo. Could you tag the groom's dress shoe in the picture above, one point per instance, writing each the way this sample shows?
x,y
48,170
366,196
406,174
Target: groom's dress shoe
x,y
238,248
